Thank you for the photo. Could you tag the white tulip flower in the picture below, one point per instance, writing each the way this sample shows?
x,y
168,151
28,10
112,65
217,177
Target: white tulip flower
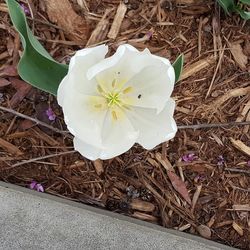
x,y
111,103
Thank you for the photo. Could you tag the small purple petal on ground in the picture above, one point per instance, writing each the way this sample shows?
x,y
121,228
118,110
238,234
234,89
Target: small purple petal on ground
x,y
248,163
36,186
39,188
189,157
33,184
51,115
25,9
149,34
221,161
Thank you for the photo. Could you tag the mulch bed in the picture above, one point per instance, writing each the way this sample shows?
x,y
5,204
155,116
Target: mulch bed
x,y
212,162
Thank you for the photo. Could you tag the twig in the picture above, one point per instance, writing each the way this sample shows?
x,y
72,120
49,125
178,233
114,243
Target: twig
x,y
238,170
215,72
42,158
66,133
213,125
45,22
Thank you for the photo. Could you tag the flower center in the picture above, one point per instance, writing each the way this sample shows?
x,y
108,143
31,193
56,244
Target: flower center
x,y
113,99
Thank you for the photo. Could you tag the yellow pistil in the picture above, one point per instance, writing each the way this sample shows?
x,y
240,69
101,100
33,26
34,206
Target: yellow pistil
x,y
113,99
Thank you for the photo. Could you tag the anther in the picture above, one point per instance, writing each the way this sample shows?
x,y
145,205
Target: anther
x,y
98,106
99,88
114,115
127,90
113,83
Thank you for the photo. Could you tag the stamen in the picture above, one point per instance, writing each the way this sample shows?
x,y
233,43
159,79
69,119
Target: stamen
x,y
98,106
113,83
127,90
99,88
126,107
114,115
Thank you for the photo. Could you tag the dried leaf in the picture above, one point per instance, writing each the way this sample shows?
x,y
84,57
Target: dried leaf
x,y
4,82
9,71
62,13
204,231
22,88
179,186
26,124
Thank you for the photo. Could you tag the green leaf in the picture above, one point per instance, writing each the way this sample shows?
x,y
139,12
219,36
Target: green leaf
x,y
227,5
178,66
36,66
245,1
244,14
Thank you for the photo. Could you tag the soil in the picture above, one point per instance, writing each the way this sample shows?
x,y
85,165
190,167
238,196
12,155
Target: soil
x,y
212,162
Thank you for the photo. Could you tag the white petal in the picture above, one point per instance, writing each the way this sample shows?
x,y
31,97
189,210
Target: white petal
x,y
171,72
154,128
150,88
62,90
79,65
118,134
90,152
84,116
121,67
123,51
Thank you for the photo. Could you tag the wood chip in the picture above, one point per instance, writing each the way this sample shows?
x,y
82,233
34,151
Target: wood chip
x,y
204,231
245,207
194,68
230,94
240,146
143,216
244,112
120,14
7,146
188,1
44,137
100,32
196,197
143,206
62,13
98,164
165,163
238,229
239,57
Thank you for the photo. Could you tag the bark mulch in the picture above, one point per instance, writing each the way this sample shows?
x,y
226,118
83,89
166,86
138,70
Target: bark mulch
x,y
199,182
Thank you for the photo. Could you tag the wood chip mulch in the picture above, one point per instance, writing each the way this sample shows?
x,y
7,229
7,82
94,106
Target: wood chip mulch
x,y
199,182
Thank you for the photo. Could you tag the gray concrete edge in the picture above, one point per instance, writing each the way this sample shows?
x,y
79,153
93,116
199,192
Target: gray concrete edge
x,y
95,210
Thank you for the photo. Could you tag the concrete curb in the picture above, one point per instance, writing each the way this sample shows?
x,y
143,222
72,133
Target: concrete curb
x,y
139,229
